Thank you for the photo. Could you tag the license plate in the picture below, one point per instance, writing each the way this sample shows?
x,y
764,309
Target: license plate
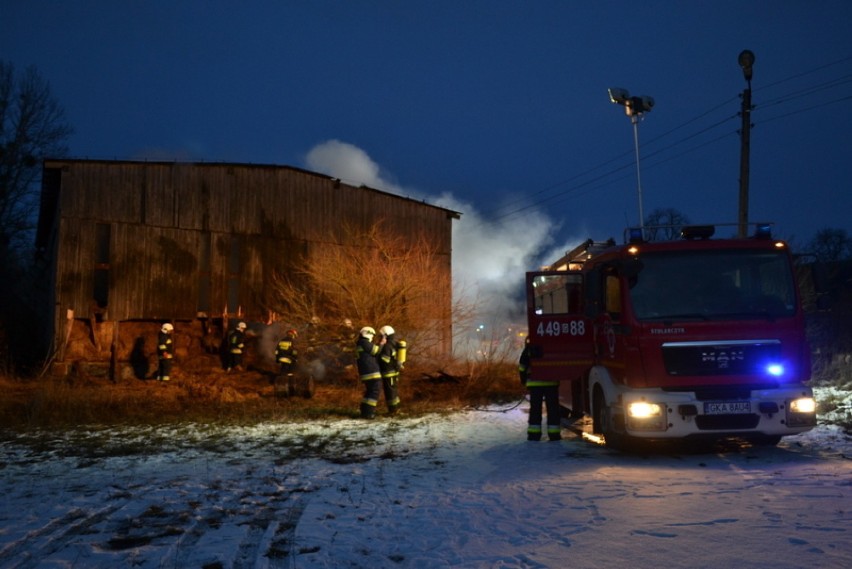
x,y
727,407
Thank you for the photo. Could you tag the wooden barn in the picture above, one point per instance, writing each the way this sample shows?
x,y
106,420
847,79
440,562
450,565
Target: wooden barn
x,y
129,241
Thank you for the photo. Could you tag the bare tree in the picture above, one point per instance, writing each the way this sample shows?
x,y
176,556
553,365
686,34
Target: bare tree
x,y
664,224
371,278
831,245
32,127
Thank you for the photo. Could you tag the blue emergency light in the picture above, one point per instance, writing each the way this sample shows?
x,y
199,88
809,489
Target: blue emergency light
x,y
763,231
776,370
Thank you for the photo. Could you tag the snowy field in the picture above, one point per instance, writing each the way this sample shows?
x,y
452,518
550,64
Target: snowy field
x,y
463,490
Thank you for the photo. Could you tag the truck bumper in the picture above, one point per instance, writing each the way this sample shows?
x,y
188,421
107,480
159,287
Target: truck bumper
x,y
658,414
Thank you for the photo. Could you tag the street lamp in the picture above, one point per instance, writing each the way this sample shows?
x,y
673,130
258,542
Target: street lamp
x,y
746,61
634,107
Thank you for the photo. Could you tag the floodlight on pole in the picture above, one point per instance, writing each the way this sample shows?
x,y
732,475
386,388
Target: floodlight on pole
x,y
634,107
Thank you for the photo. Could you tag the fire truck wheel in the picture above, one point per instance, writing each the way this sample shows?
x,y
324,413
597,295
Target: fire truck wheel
x,y
598,404
605,423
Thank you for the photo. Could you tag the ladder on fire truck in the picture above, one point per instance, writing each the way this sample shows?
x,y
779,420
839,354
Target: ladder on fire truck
x,y
574,259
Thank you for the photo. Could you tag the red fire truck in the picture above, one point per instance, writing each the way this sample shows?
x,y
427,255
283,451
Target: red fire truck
x,y
696,337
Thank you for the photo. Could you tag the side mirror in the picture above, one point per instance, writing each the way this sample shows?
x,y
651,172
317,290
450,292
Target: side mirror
x,y
631,267
592,302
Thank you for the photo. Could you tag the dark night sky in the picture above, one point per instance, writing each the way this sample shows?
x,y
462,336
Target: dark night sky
x,y
497,109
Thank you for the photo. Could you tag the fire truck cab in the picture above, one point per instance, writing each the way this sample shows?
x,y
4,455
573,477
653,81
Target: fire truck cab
x,y
696,337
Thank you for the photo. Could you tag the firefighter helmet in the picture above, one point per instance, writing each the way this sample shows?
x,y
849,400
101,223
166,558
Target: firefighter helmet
x,y
292,332
167,328
387,330
241,326
367,332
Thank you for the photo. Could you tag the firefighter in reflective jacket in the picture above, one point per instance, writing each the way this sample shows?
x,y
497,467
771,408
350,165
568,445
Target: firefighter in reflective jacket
x,y
540,391
368,371
165,352
285,352
236,345
390,366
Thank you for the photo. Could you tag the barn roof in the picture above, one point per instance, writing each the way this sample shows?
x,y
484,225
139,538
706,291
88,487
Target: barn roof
x,y
49,193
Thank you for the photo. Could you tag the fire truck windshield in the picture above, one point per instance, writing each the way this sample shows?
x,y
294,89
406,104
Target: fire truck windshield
x,y
713,285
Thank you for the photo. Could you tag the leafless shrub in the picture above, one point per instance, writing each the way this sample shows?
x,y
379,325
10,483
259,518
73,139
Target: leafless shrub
x,y
373,278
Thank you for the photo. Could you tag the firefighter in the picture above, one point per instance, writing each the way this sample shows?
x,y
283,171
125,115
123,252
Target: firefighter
x,y
165,352
368,371
236,345
285,352
390,366
540,391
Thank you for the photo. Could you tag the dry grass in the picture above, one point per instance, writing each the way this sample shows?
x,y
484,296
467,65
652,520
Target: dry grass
x,y
241,398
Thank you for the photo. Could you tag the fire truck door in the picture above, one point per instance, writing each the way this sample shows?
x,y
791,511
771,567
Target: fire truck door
x,y
560,335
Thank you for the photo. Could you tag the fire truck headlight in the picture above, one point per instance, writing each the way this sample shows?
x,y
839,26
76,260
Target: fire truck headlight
x,y
801,412
803,405
644,410
645,416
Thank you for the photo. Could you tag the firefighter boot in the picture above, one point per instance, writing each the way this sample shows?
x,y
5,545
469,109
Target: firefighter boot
x,y
554,432
534,433
368,411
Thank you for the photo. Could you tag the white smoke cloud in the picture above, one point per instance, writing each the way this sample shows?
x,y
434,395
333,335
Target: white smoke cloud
x,y
490,257
349,163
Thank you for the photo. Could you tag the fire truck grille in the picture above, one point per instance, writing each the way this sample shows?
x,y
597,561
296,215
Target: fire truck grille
x,y
718,359
726,422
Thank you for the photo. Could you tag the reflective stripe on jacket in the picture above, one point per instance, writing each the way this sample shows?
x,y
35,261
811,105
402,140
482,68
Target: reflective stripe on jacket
x,y
368,364
285,353
236,342
534,383
165,348
387,360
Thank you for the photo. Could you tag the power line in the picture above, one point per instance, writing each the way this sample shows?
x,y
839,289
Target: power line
x,y
808,91
805,73
573,190
611,172
530,205
650,166
806,109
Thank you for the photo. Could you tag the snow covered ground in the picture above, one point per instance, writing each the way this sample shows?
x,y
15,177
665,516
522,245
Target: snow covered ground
x,y
463,489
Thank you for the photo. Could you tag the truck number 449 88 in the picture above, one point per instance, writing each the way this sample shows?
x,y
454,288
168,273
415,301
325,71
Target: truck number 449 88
x,y
556,328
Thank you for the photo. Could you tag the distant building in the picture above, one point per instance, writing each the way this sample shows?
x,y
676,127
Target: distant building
x,y
127,241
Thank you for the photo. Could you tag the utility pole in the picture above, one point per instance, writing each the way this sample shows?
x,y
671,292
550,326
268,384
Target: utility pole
x,y
746,61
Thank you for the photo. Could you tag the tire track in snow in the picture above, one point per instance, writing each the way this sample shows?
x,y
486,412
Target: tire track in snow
x,y
251,522
57,534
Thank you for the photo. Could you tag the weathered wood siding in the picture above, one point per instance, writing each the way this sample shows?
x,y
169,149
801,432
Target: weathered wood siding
x,y
173,226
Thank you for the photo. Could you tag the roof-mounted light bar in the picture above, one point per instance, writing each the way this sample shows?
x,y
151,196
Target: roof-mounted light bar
x,y
763,231
697,232
635,235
